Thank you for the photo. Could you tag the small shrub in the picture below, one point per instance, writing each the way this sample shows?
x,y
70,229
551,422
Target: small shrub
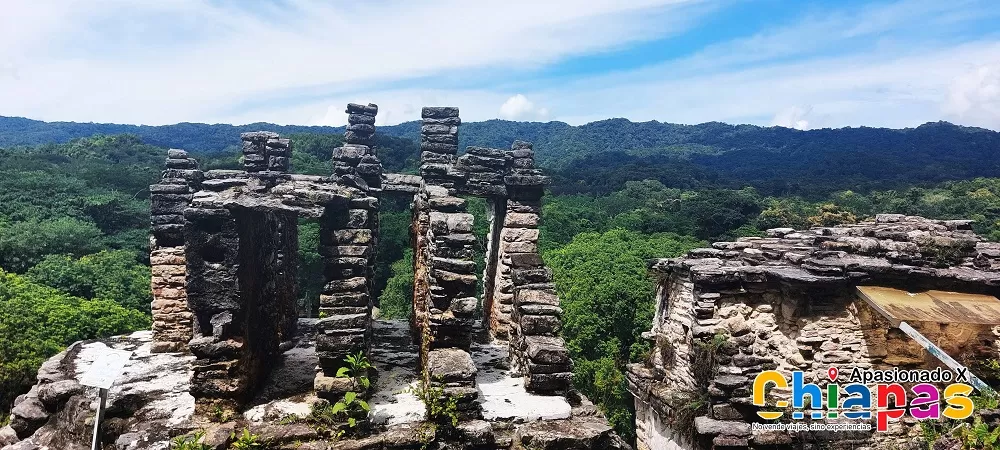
x,y
246,441
189,442
221,415
978,435
441,409
350,409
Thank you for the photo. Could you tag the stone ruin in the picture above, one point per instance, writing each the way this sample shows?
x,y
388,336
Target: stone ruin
x,y
788,302
227,332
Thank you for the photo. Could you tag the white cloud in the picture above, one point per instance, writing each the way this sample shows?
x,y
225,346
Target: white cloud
x,y
792,117
974,96
195,60
201,60
878,88
518,107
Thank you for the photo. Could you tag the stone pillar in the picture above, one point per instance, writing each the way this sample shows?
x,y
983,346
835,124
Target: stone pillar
x,y
445,287
172,319
348,239
452,270
535,317
213,294
265,151
438,145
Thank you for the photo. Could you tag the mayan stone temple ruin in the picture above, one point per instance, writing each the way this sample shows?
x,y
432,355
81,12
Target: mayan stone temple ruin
x,y
228,349
808,301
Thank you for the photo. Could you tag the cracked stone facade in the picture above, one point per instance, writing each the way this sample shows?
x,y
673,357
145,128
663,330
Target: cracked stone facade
x,y
788,302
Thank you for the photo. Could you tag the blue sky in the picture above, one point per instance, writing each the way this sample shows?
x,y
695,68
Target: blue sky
x,y
802,64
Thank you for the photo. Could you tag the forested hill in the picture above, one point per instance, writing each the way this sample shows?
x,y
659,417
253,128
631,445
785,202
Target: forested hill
x,y
600,157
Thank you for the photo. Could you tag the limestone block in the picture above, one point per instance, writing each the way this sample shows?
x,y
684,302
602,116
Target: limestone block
x,y
540,325
525,295
531,276
438,112
521,220
548,382
438,147
519,235
539,309
344,321
520,247
327,387
524,260
450,365
28,416
547,350
370,109
709,426
344,299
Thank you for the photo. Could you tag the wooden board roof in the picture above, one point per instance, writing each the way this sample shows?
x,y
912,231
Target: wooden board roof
x,y
932,306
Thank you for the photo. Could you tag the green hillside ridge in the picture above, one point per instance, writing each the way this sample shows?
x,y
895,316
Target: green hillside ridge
x,y
601,156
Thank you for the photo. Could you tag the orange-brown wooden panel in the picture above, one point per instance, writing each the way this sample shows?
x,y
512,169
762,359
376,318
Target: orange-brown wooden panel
x,y
932,306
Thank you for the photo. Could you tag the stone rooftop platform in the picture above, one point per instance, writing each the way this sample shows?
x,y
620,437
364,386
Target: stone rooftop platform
x,y
892,245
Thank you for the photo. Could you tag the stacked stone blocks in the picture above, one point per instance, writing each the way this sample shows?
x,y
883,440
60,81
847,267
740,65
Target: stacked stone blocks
x,y
438,146
265,152
535,315
241,281
172,319
445,245
348,240
225,244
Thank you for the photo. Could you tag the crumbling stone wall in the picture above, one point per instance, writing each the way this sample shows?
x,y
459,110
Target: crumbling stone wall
x,y
787,303
519,300
241,275
223,254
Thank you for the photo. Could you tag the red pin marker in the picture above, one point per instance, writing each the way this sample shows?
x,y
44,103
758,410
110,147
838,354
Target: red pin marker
x,y
832,373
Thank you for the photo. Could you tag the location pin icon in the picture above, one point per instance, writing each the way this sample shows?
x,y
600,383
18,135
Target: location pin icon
x,y
832,373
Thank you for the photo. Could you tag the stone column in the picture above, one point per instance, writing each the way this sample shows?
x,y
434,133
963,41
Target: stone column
x,y
535,317
445,287
438,145
348,239
172,319
213,246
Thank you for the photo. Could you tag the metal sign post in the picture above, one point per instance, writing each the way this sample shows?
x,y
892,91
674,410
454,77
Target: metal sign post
x,y
96,442
102,374
898,306
947,360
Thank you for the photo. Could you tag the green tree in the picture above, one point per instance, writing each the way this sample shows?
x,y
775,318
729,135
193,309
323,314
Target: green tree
x,y
607,300
108,275
24,244
38,321
397,297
